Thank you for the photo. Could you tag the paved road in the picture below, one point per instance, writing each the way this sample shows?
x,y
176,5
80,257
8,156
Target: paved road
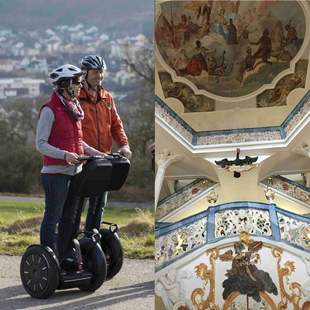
x,y
132,288
112,204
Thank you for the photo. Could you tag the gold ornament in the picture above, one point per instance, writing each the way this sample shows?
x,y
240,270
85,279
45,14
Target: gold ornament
x,y
212,197
294,296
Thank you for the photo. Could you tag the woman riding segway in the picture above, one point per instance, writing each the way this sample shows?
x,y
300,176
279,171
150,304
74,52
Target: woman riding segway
x,y
59,139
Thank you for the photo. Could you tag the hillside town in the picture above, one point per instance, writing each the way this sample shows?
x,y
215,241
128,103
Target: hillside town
x,y
27,57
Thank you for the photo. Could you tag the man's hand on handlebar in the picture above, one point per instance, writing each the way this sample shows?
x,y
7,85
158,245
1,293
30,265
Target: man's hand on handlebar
x,y
125,151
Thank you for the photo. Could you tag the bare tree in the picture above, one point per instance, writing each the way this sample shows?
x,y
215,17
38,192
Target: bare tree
x,y
139,59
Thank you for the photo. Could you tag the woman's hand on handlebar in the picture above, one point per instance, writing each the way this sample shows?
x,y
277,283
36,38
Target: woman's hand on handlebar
x,y
71,158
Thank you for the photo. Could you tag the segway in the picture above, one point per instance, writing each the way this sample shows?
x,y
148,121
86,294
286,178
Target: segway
x,y
82,261
110,242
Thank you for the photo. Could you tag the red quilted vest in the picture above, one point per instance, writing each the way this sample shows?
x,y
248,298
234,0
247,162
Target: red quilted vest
x,y
66,133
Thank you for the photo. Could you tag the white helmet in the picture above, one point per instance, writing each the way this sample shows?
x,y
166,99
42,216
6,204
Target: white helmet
x,y
65,72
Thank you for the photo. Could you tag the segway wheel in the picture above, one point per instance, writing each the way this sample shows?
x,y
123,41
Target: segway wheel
x,y
94,260
39,272
113,251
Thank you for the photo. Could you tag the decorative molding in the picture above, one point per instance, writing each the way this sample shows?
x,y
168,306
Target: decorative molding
x,y
273,134
207,275
232,222
182,196
290,188
179,242
168,116
294,231
260,219
284,272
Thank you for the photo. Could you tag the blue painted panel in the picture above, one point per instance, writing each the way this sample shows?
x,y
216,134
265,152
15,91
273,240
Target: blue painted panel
x,y
189,220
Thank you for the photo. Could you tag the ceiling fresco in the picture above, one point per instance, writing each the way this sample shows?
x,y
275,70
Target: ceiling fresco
x,y
278,95
233,48
190,101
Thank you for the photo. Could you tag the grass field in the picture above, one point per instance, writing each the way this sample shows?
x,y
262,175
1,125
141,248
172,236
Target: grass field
x,y
20,223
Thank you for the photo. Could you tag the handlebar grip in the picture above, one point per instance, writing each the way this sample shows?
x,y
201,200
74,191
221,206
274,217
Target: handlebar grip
x,y
86,157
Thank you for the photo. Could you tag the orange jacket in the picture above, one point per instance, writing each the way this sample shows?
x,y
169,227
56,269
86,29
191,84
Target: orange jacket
x,y
101,123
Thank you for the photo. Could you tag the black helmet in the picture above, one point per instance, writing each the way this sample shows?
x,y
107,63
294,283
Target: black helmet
x,y
93,62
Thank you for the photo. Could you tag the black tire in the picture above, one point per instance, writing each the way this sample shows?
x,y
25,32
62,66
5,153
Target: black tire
x,y
39,272
113,251
95,262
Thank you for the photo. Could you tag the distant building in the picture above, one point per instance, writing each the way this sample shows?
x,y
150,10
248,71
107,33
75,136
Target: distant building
x,y
7,65
38,66
23,87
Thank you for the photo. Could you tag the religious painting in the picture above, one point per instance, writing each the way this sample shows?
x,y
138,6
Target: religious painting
x,y
190,101
246,274
277,96
245,287
244,277
230,48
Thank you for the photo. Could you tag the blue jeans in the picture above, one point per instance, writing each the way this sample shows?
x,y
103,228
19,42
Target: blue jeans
x,y
96,205
56,190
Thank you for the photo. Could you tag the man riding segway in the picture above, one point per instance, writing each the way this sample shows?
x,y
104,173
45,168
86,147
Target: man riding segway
x,y
101,126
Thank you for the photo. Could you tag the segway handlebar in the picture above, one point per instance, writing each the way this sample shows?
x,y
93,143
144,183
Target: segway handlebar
x,y
108,156
87,158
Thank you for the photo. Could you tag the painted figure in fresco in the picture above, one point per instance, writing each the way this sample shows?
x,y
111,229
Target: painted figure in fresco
x,y
181,61
183,27
181,92
278,95
180,33
249,60
232,33
166,83
164,32
220,23
189,28
191,102
306,306
197,63
278,38
234,9
247,64
204,11
244,33
251,15
293,43
244,276
265,47
192,27
291,35
170,287
219,66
